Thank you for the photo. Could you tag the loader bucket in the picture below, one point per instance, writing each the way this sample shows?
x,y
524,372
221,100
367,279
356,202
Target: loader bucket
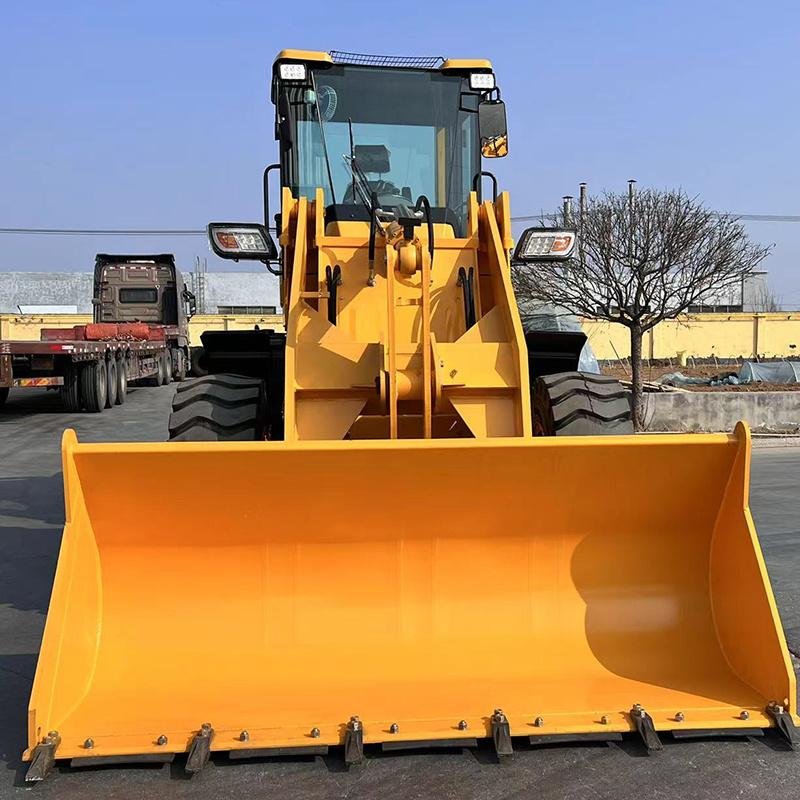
x,y
280,589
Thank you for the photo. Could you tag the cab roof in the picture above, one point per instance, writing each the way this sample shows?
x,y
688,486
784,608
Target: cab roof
x,y
402,62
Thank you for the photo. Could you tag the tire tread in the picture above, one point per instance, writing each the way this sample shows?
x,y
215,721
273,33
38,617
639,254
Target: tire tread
x,y
582,404
218,408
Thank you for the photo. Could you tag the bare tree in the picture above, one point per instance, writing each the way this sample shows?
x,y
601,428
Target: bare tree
x,y
642,258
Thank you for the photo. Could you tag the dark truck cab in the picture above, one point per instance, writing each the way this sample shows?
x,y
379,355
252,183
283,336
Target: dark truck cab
x,y
150,289
140,331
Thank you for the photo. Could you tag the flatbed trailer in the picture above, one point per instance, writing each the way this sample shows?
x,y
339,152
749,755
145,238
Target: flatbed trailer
x,y
90,375
139,333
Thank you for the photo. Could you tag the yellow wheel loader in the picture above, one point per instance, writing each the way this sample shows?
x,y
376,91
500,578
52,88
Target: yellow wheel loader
x,y
392,535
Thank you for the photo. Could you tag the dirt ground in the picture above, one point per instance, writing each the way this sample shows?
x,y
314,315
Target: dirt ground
x,y
654,370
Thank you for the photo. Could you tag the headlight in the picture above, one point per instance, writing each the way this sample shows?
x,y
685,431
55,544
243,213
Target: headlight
x,y
292,72
481,80
544,244
241,241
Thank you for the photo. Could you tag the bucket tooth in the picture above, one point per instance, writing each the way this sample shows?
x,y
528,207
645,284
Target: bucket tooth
x,y
200,749
354,742
784,724
501,735
645,728
43,758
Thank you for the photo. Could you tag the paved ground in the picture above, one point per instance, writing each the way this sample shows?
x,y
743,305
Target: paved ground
x,y
31,515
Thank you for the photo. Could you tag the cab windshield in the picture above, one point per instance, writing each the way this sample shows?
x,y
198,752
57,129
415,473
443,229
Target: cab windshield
x,y
410,132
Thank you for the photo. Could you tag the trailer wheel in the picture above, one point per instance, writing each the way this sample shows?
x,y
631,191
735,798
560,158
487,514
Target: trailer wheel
x,y
3,395
179,372
219,408
167,359
71,390
94,386
158,378
111,383
122,380
580,404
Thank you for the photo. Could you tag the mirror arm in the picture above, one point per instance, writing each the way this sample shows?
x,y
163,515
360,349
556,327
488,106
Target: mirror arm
x,y
272,271
267,171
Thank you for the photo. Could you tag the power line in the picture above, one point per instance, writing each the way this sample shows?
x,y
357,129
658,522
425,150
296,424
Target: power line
x,y
104,232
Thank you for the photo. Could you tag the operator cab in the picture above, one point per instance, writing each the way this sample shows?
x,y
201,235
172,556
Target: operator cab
x,y
383,131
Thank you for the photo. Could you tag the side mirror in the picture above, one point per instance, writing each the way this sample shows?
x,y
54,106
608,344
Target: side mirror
x,y
545,244
492,128
246,241
191,302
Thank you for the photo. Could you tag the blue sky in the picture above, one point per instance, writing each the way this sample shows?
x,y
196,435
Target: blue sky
x,y
157,114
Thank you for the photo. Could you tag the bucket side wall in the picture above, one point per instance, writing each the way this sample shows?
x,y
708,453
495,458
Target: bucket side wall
x,y
72,632
746,616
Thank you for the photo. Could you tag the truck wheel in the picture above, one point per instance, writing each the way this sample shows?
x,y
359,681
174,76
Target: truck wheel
x,y
71,390
219,408
94,386
196,355
179,373
111,383
580,404
122,381
167,359
158,378
3,395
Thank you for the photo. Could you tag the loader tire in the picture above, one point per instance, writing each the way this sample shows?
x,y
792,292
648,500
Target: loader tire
x,y
580,404
219,408
197,368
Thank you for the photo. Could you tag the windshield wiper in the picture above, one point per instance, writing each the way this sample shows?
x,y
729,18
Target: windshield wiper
x,y
360,181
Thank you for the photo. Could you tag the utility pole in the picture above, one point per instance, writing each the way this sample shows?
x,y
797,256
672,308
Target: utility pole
x,y
631,217
582,211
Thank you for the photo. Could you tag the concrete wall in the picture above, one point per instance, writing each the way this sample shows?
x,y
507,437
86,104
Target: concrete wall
x,y
214,289
693,412
743,335
45,288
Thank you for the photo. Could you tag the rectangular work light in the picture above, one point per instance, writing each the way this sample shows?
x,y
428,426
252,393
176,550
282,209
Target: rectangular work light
x,y
481,80
545,244
292,72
